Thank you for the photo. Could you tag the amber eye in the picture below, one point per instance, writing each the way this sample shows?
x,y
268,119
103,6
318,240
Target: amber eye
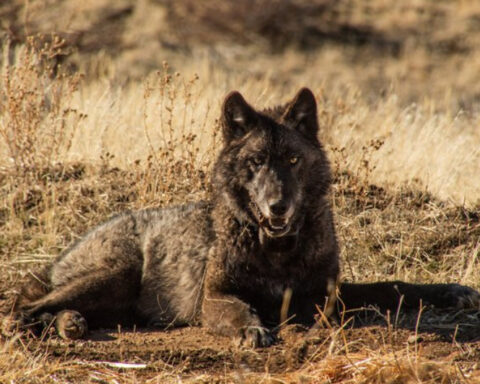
x,y
293,160
258,160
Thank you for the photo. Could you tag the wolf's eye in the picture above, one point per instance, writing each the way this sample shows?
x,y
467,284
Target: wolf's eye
x,y
293,160
257,160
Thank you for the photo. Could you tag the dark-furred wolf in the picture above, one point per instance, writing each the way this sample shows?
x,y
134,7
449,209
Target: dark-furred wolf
x,y
261,251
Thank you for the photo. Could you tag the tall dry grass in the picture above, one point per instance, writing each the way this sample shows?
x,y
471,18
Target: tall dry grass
x,y
435,148
37,125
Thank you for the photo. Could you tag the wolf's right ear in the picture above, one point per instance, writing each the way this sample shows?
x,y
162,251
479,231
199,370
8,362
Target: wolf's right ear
x,y
238,117
301,113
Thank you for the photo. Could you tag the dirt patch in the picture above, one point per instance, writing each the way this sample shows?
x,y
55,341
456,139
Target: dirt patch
x,y
194,354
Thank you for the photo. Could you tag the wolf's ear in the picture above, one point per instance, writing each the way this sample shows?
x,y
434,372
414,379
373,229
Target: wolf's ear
x,y
301,113
237,116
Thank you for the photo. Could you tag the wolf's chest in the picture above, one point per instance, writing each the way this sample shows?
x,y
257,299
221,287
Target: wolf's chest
x,y
261,284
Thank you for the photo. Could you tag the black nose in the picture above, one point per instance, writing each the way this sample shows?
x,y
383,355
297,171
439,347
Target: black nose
x,y
279,208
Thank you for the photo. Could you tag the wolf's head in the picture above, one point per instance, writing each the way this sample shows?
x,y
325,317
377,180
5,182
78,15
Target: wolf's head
x,y
272,170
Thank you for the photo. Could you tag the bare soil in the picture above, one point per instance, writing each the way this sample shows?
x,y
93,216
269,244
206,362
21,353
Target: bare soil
x,y
192,352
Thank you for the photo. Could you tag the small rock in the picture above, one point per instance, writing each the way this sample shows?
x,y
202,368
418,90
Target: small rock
x,y
414,339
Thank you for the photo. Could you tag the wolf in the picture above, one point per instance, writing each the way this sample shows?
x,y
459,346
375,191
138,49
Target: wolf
x,y
262,251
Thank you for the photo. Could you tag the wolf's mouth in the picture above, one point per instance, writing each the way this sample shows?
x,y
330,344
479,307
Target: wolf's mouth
x,y
276,231
273,227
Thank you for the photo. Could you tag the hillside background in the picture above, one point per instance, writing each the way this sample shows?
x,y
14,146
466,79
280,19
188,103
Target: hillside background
x,y
405,73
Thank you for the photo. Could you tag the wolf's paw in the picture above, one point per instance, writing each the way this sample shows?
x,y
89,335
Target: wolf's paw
x,y
70,325
256,336
462,297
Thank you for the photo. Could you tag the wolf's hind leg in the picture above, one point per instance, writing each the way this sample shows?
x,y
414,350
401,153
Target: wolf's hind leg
x,y
391,294
70,325
103,298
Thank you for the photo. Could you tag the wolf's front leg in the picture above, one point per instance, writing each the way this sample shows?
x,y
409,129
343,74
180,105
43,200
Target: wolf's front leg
x,y
226,314
229,316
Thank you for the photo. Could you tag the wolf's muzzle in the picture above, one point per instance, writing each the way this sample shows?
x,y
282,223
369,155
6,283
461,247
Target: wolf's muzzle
x,y
275,225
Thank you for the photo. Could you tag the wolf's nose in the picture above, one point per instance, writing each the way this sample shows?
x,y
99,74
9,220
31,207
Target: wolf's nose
x,y
279,208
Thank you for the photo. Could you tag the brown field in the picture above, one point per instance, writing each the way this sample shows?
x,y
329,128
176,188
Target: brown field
x,y
112,105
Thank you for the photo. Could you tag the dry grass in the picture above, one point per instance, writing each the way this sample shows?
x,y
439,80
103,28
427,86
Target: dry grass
x,y
399,117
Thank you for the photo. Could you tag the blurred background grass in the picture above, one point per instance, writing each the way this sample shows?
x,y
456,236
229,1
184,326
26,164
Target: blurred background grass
x,y
404,74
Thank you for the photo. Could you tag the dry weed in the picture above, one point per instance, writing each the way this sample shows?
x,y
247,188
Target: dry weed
x,y
36,126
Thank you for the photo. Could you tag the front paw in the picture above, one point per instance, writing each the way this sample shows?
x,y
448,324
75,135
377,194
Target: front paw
x,y
256,336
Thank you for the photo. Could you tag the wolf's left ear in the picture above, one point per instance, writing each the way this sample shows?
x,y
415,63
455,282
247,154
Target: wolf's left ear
x,y
238,117
301,113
